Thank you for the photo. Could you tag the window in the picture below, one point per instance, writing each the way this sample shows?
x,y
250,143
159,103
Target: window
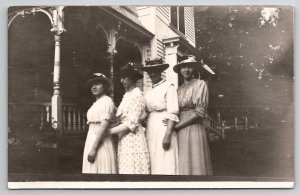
x,y
181,27
174,15
177,18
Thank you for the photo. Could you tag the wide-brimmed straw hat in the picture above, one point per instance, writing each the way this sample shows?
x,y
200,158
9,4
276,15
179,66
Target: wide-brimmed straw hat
x,y
131,70
98,78
191,61
156,64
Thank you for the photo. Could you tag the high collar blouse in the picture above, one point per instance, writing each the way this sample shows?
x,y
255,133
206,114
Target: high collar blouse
x,y
163,97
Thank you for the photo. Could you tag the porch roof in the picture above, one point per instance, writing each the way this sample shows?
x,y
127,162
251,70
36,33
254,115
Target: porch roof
x,y
116,11
128,18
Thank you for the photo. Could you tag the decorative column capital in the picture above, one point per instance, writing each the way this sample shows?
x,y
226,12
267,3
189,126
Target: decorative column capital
x,y
171,48
58,20
54,14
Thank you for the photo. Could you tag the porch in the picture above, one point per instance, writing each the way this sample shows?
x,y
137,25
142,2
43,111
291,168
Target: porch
x,y
86,40
48,99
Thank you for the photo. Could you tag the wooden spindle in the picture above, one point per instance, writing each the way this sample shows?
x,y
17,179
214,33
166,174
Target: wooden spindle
x,y
48,113
74,120
64,115
84,125
69,118
79,126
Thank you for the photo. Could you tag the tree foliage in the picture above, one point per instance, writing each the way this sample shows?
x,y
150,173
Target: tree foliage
x,y
251,50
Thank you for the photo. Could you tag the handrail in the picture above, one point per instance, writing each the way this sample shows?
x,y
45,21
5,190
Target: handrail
x,y
73,120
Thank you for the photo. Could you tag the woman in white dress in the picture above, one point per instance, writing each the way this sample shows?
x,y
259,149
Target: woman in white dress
x,y
162,105
133,153
99,153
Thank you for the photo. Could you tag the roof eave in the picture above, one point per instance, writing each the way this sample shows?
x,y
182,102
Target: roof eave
x,y
128,21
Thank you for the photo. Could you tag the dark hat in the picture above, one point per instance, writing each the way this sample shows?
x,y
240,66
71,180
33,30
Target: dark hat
x,y
191,61
98,78
155,64
131,70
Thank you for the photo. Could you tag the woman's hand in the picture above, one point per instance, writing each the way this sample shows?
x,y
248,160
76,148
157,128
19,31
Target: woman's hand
x,y
166,142
111,131
165,121
144,123
176,128
92,156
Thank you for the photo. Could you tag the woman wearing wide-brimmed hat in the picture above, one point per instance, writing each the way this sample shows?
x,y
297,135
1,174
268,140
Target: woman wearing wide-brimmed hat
x,y
162,105
99,153
133,154
194,154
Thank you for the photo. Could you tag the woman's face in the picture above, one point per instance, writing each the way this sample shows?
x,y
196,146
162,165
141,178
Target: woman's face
x,y
126,82
187,72
154,75
97,89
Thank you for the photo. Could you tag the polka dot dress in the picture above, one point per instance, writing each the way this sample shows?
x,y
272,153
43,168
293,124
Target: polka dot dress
x,y
133,154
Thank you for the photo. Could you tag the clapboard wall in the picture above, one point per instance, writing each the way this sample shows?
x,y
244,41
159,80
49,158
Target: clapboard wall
x,y
157,20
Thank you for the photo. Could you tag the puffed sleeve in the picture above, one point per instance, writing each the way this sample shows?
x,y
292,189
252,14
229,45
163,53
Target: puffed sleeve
x,y
105,109
135,111
200,97
172,103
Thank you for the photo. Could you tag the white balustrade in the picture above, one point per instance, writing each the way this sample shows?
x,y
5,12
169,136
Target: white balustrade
x,y
74,119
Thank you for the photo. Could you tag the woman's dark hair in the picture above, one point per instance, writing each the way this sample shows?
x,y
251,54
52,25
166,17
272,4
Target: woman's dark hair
x,y
105,84
202,75
195,75
131,71
134,79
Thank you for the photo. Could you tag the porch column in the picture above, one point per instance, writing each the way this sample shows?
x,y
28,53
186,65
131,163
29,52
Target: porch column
x,y
111,72
171,59
56,101
111,55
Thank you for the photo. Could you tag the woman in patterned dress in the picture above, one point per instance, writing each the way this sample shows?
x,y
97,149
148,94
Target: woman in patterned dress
x,y
194,154
133,154
162,105
99,153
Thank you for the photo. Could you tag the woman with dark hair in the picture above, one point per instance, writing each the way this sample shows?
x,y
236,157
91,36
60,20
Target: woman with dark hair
x,y
194,154
99,153
133,155
162,105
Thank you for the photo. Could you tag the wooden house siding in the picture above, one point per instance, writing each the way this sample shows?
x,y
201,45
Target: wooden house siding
x,y
189,25
163,12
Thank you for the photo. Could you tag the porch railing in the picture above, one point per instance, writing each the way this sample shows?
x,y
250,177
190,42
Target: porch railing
x,y
74,118
213,126
75,121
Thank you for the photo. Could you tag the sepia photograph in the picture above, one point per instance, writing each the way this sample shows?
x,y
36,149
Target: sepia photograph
x,y
115,97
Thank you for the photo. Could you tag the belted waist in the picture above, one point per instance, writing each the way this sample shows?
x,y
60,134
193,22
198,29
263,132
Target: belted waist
x,y
93,122
159,111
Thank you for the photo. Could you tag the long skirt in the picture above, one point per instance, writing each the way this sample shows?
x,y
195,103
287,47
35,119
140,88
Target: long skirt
x,y
105,162
194,155
163,162
133,153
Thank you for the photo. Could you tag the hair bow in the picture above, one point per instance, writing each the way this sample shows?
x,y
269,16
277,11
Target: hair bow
x,y
98,74
132,65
